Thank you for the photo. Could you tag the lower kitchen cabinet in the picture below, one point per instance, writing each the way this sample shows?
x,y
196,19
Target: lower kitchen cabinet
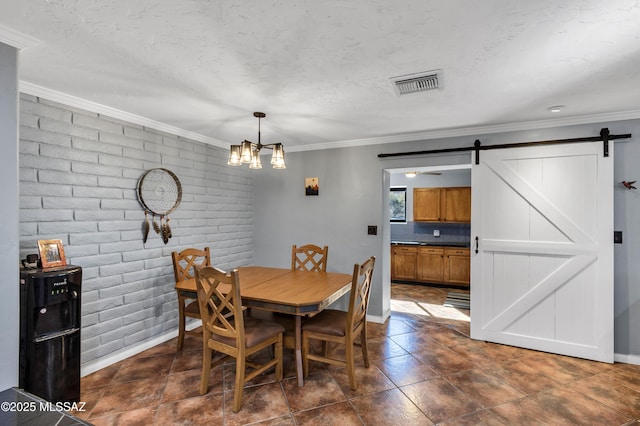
x,y
403,262
457,266
430,264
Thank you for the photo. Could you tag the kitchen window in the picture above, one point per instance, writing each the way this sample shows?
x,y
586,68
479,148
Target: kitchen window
x,y
398,203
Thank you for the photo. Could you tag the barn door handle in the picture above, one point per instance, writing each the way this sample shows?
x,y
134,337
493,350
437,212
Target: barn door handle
x,y
477,245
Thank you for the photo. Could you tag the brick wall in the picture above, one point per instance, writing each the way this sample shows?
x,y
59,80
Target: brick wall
x,y
78,177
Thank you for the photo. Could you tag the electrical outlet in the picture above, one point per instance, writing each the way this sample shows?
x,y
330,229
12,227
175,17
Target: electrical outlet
x,y
436,232
372,230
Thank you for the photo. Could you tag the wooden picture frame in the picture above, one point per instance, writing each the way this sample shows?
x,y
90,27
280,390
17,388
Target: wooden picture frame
x,y
311,186
51,253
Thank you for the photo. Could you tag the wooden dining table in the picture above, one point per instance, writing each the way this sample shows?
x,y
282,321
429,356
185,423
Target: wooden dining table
x,y
299,293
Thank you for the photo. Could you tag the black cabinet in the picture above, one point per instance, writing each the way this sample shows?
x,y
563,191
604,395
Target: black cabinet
x,y
50,301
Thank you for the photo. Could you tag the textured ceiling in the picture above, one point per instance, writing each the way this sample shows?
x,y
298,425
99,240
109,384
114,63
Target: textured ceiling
x,y
321,70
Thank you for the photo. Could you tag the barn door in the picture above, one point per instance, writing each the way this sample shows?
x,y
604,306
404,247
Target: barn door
x,y
542,274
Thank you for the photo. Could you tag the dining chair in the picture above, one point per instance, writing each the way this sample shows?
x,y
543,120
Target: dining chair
x,y
185,264
309,257
339,327
226,330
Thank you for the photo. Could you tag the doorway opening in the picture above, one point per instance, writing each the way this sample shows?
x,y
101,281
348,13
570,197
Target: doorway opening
x,y
410,241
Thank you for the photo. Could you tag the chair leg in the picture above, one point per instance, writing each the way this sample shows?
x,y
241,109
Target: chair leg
x,y
305,355
325,348
181,322
278,355
363,345
206,370
351,369
237,392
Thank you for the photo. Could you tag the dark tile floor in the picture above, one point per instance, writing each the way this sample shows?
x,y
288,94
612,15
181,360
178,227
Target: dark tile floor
x,y
425,370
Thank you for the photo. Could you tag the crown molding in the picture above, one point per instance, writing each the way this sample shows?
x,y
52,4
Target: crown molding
x,y
35,90
73,101
474,131
17,39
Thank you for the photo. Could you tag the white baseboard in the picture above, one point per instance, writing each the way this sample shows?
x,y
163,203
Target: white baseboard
x,y
111,359
627,359
379,319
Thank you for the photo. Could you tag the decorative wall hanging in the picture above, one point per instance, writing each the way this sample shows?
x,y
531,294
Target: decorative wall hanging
x,y
311,186
628,185
159,192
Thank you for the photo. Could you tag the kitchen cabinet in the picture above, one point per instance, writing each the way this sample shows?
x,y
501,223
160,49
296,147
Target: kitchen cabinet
x,y
404,262
430,264
426,204
442,204
457,266
456,204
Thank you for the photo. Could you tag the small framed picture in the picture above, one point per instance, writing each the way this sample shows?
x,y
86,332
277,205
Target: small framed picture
x,y
311,186
51,253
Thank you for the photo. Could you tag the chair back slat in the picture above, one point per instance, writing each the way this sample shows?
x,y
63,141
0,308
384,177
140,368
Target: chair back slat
x,y
188,260
221,312
360,292
309,257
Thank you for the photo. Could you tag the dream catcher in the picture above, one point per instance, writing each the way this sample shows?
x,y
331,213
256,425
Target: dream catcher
x,y
160,193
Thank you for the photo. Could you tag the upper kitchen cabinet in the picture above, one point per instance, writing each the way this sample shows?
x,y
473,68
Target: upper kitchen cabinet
x,y
442,204
426,204
456,204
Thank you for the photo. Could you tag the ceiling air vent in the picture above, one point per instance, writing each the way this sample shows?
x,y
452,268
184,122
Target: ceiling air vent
x,y
420,82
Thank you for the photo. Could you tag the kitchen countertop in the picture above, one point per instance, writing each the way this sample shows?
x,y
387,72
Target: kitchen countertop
x,y
432,243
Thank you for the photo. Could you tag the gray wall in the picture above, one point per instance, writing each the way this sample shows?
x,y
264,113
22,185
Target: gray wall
x,y
9,306
626,255
78,174
351,197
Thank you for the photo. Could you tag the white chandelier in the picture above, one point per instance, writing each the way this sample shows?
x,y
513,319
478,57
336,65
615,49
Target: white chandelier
x,y
249,153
